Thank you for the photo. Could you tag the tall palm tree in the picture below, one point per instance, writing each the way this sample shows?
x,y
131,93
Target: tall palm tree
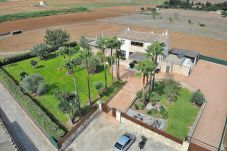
x,y
118,55
101,42
86,57
145,67
110,44
153,51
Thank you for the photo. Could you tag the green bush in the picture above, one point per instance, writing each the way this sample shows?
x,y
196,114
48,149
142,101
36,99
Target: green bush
x,y
152,111
198,98
25,15
15,58
154,97
39,116
139,106
163,112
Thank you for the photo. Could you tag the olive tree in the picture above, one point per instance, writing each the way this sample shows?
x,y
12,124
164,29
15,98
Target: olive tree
x,y
40,50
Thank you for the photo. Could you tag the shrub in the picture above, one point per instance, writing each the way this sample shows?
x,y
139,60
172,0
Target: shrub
x,y
152,111
15,58
139,94
139,106
171,88
202,25
154,97
142,8
33,63
198,98
41,118
163,112
41,89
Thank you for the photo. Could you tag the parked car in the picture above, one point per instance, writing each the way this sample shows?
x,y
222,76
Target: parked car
x,y
124,142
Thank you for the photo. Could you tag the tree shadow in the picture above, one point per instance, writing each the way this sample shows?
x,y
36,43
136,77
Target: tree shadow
x,y
52,87
99,68
51,56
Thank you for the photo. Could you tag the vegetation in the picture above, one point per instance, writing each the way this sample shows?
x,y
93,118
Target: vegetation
x,y
56,38
25,15
171,88
198,98
194,6
45,123
33,63
33,84
57,80
40,50
139,106
99,86
69,103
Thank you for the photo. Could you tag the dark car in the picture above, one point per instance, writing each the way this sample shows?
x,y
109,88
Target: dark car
x,y
124,142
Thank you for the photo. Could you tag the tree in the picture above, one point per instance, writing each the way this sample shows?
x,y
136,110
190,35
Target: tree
x,y
69,65
145,67
101,42
153,51
23,75
99,86
118,56
56,38
40,50
198,98
112,43
33,84
64,51
86,57
33,63
69,103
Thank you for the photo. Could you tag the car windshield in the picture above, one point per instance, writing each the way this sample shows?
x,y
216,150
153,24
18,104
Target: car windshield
x,y
118,146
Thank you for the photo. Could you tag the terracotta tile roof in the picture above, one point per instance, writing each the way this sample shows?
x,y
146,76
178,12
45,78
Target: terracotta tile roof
x,y
140,36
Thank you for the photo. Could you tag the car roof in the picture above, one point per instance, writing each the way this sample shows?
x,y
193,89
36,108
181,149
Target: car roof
x,y
123,139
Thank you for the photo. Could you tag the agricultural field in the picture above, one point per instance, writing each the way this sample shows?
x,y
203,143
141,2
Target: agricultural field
x,y
58,80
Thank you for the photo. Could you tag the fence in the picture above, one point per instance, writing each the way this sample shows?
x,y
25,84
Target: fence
x,y
214,60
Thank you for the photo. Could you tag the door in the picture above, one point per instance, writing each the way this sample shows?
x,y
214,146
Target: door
x,y
167,69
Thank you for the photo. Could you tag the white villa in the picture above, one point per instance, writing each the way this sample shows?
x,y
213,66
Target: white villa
x,y
135,43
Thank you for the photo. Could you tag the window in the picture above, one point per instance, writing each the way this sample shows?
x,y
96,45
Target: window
x,y
139,44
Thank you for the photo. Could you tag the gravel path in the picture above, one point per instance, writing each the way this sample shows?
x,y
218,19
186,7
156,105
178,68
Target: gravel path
x,y
23,129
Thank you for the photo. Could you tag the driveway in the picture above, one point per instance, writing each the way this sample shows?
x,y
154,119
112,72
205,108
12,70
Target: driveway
x,y
102,133
24,131
211,79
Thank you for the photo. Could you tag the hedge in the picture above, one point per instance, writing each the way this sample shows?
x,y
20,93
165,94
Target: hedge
x,y
15,58
34,111
25,15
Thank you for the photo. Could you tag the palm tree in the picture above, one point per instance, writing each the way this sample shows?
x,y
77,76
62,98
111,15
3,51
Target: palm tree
x,y
98,86
86,57
145,67
153,51
118,54
101,42
111,44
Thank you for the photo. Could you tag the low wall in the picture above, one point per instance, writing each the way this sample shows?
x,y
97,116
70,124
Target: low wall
x,y
151,132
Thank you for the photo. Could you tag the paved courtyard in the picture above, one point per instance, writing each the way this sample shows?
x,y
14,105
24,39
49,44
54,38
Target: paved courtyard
x,y
211,79
102,133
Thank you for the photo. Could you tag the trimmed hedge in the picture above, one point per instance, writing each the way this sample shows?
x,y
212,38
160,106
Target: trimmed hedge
x,y
25,15
40,117
15,58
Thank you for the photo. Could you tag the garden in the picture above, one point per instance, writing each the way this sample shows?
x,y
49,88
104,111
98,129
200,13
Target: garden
x,y
58,82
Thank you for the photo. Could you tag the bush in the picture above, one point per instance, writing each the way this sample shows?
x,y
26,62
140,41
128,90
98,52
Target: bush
x,y
152,111
198,98
154,97
171,88
41,118
16,58
163,112
142,8
139,94
202,25
139,106
33,63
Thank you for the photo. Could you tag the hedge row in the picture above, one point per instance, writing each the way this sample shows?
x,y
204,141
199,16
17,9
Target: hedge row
x,y
40,117
15,58
18,16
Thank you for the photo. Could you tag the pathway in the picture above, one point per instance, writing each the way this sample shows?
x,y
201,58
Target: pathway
x,y
124,98
23,128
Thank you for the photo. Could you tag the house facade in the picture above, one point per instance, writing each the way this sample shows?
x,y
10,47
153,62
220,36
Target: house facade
x,y
137,41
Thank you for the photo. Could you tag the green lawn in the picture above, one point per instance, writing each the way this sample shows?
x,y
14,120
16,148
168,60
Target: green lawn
x,y
182,114
58,80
